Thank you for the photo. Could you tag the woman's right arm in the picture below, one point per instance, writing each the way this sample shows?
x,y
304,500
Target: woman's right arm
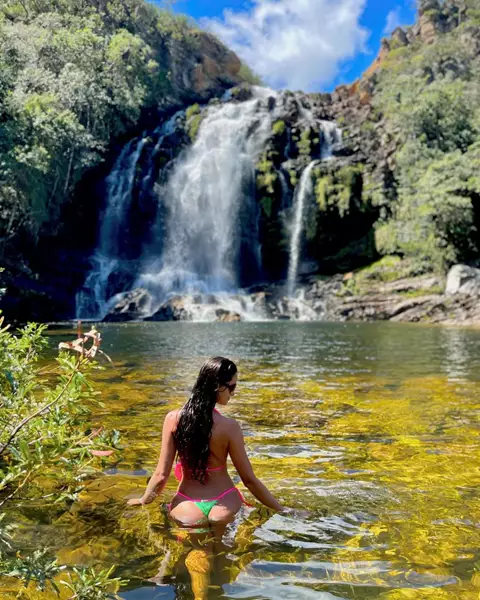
x,y
238,454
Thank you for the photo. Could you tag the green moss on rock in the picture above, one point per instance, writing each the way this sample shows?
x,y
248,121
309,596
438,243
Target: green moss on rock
x,y
192,111
266,174
339,190
278,128
304,144
194,120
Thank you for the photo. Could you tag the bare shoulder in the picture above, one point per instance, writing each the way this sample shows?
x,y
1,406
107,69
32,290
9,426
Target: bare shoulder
x,y
232,426
171,419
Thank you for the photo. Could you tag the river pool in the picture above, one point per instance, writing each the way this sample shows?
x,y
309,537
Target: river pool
x,y
369,431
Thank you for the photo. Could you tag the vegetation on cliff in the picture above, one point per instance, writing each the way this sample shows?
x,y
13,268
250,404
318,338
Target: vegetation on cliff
x,y
428,90
75,75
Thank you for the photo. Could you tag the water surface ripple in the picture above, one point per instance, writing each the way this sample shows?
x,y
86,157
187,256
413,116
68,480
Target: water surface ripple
x,y
370,432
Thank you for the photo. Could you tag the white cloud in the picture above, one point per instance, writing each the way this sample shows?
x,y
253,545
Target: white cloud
x,y
299,44
393,20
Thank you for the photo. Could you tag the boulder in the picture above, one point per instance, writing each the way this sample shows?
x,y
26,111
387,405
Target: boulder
x,y
130,306
399,37
227,316
172,310
462,279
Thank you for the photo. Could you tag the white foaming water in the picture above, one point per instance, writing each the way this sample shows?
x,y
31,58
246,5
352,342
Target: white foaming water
x,y
206,307
305,188
203,198
91,300
331,138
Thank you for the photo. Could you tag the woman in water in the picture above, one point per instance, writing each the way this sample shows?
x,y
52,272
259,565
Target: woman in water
x,y
202,438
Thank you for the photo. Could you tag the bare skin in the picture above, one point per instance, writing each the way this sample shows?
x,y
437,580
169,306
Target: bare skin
x,y
226,440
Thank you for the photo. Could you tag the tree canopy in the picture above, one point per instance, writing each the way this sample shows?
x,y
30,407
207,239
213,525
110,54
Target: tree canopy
x,y
429,95
74,75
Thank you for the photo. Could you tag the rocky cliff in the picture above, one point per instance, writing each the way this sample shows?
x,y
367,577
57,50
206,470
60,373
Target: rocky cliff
x,y
409,126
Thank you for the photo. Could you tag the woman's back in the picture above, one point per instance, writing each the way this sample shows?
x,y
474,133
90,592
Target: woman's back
x,y
217,478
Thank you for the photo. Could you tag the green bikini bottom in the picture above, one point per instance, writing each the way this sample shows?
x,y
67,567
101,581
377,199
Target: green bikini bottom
x,y
206,505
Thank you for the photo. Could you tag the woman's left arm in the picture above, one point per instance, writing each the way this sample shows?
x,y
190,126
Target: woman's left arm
x,y
162,471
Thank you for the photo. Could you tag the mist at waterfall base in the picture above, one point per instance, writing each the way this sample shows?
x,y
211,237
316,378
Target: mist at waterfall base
x,y
203,242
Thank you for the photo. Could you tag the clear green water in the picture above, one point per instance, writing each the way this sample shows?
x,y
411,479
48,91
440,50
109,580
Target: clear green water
x,y
372,430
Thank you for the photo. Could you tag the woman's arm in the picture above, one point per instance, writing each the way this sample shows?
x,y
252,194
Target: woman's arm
x,y
162,471
236,449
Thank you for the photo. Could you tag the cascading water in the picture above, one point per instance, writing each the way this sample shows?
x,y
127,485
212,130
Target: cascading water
x,y
196,231
203,200
330,137
91,300
304,189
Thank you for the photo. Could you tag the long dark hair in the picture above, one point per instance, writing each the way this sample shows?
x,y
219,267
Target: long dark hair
x,y
194,428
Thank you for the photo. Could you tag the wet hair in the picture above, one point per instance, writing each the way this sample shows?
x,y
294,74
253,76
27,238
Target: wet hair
x,y
194,428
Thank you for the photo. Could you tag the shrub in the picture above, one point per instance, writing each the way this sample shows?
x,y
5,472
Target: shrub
x,y
45,437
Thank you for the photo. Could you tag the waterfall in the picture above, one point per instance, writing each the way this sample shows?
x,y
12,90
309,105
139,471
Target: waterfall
x,y
330,139
91,300
304,189
286,195
197,230
209,187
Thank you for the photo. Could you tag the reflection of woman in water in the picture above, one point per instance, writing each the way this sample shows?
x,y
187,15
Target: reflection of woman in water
x,y
203,438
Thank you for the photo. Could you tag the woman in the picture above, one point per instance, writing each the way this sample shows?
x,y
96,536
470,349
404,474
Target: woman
x,y
203,438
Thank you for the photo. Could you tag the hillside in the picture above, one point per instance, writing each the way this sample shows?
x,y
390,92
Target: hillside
x,y
424,90
78,83
74,77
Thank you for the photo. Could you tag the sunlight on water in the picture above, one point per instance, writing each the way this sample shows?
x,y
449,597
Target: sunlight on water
x,y
371,432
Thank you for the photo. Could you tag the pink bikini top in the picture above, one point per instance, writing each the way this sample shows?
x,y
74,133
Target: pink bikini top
x,y
178,471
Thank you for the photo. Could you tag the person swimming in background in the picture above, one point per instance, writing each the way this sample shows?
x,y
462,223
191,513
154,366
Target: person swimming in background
x,y
203,438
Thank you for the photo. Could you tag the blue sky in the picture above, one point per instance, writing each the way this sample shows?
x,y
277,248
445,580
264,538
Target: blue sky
x,y
313,45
